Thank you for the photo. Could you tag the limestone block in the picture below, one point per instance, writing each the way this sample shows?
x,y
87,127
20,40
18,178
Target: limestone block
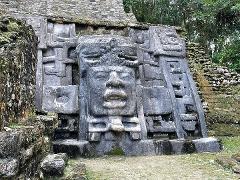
x,y
9,144
60,99
54,164
8,168
207,145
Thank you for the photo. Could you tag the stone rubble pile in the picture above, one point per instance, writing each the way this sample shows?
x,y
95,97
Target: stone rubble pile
x,y
22,147
232,163
54,164
18,58
219,77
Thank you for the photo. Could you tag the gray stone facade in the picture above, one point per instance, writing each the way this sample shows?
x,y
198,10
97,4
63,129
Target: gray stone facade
x,y
83,11
126,88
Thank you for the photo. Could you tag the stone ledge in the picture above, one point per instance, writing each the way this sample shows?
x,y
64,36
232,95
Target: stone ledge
x,y
72,147
76,148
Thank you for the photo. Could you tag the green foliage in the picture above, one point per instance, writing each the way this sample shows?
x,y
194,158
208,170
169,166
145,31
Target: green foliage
x,y
9,30
229,55
231,144
116,152
208,22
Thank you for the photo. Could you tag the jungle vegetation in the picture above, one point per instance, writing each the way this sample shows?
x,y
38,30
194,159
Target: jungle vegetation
x,y
215,24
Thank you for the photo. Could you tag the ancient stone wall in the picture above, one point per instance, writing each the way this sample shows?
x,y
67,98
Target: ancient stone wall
x,y
22,147
18,45
219,89
220,77
81,11
174,111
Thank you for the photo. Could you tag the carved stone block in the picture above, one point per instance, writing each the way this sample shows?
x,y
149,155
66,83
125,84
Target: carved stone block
x,y
156,101
60,99
108,76
133,93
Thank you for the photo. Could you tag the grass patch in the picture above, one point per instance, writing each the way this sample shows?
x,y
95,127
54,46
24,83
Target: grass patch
x,y
74,170
210,161
231,145
15,126
116,152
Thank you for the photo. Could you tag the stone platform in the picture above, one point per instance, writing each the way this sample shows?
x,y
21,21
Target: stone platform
x,y
76,148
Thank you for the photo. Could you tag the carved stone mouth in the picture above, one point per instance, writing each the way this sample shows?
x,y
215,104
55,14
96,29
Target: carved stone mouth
x,y
114,98
114,94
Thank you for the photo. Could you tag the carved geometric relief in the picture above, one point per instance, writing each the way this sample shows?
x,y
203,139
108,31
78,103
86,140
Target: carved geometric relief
x,y
60,99
161,56
67,126
186,106
58,57
167,42
156,101
160,124
57,60
130,90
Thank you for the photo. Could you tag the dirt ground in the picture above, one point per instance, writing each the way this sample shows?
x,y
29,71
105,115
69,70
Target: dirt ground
x,y
156,167
202,166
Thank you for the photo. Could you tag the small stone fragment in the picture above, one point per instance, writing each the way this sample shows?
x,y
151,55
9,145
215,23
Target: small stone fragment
x,y
54,164
8,168
236,157
236,169
226,162
9,144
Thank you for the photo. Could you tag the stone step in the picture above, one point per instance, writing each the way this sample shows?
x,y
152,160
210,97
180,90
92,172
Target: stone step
x,y
75,148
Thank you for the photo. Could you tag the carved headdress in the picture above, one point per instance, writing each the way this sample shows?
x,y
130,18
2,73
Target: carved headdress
x,y
107,50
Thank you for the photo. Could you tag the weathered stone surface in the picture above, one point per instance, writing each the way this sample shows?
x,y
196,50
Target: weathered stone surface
x,y
72,147
60,99
207,145
54,164
236,157
128,92
84,11
8,168
26,144
50,123
126,96
18,45
128,147
10,143
226,162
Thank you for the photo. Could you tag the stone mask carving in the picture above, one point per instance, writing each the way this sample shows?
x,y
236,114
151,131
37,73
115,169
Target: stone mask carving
x,y
108,67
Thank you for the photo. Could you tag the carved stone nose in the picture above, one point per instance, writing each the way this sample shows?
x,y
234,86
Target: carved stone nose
x,y
114,80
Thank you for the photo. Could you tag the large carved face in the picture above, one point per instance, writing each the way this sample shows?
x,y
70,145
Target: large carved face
x,y
107,66
112,90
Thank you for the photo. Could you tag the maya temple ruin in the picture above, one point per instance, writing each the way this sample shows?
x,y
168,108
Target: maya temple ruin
x,y
112,83
115,84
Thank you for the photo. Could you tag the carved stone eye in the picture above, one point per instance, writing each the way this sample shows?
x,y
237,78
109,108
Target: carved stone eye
x,y
101,75
125,75
173,40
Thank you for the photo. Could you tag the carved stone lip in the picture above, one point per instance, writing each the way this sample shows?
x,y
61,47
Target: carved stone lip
x,y
115,95
114,98
114,104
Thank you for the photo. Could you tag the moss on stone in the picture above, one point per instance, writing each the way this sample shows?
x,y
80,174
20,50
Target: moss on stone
x,y
9,30
75,170
18,45
221,129
116,152
15,126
